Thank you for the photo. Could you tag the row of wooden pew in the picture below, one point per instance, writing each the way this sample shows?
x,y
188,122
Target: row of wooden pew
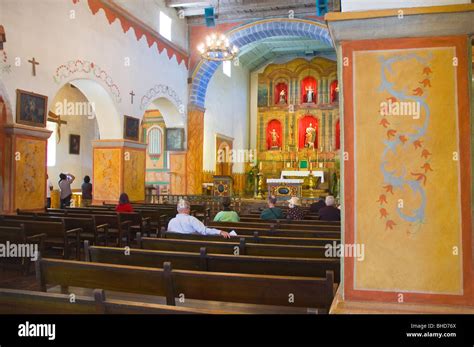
x,y
277,264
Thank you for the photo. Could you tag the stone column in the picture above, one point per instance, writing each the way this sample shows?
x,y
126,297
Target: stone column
x,y
194,153
118,167
25,167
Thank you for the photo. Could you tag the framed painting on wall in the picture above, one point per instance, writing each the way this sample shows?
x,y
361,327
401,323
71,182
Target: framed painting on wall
x,y
74,144
131,128
175,139
31,108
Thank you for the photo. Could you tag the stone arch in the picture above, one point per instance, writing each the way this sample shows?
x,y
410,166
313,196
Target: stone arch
x,y
252,32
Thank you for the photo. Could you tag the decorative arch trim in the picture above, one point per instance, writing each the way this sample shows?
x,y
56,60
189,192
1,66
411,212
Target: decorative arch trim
x,y
83,67
252,32
163,91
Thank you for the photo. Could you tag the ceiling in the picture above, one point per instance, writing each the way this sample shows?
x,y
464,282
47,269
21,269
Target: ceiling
x,y
234,10
276,50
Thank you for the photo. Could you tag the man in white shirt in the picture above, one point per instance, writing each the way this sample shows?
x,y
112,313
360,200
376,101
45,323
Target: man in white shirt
x,y
49,188
186,224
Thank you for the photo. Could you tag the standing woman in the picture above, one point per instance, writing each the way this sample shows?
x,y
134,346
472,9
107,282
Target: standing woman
x,y
65,181
86,192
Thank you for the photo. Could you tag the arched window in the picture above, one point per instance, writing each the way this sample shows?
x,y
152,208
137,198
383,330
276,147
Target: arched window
x,y
155,141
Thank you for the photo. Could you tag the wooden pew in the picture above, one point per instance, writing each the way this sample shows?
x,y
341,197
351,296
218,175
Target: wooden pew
x,y
263,231
17,236
30,302
56,234
109,226
308,292
255,238
202,261
239,247
278,225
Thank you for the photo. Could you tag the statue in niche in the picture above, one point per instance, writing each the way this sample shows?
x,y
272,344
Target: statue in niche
x,y
310,136
309,94
274,142
282,97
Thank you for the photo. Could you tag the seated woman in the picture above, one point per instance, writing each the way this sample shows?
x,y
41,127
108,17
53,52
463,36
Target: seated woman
x,y
295,212
124,204
227,215
272,212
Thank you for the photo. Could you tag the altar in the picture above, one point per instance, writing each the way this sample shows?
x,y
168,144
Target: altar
x,y
292,173
284,187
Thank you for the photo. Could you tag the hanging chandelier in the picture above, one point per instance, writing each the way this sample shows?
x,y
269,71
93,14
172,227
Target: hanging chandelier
x,y
217,48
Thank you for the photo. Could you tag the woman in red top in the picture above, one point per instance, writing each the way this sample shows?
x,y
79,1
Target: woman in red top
x,y
124,204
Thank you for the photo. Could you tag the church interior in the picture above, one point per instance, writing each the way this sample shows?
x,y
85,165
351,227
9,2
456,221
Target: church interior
x,y
121,119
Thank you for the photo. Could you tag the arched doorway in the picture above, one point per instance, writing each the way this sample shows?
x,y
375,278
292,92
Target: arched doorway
x,y
80,113
163,131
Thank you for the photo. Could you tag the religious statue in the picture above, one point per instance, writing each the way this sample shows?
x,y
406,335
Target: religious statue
x,y
309,94
310,136
282,97
275,137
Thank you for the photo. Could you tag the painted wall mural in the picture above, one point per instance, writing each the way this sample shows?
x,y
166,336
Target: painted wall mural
x,y
30,173
406,193
134,174
107,168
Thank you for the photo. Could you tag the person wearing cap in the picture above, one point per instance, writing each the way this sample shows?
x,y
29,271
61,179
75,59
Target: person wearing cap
x,y
184,223
227,215
295,212
272,212
330,212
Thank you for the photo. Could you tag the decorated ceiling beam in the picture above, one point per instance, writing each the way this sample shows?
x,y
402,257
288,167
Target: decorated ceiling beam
x,y
127,20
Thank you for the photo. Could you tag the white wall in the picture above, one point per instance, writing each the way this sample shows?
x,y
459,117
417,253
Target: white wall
x,y
149,12
44,30
364,5
227,113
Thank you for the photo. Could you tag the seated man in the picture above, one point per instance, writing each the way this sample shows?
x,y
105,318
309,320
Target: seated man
x,y
316,206
272,212
185,224
330,212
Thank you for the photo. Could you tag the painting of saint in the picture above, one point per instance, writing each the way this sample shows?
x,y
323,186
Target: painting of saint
x,y
31,108
131,129
74,144
175,139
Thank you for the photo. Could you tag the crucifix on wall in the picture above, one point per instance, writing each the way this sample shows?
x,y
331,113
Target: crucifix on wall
x,y
132,94
33,63
52,117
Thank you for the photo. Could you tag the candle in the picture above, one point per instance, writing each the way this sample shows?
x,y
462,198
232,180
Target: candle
x,y
260,166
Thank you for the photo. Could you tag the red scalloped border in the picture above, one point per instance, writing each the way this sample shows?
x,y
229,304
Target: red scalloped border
x,y
96,5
